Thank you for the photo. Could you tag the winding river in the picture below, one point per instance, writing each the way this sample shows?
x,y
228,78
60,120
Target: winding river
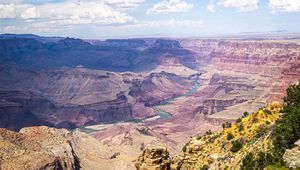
x,y
163,114
160,113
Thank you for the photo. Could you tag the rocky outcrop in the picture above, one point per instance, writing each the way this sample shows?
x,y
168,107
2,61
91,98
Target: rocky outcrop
x,y
154,158
292,156
214,149
48,148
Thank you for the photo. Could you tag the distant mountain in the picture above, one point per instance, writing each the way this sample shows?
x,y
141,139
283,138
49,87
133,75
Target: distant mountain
x,y
31,36
35,52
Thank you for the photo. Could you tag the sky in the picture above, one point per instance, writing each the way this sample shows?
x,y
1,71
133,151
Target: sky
x,y
146,18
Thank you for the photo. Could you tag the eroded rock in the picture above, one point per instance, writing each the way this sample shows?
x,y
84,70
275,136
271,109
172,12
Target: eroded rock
x,y
154,158
292,156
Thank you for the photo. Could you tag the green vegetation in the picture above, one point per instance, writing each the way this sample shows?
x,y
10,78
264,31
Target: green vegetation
x,y
236,146
286,132
238,120
229,136
226,125
259,163
261,131
184,148
245,114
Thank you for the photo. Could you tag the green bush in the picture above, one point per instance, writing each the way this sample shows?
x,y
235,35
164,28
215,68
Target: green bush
x,y
238,120
230,136
245,114
184,148
248,162
226,125
236,146
259,163
284,135
287,131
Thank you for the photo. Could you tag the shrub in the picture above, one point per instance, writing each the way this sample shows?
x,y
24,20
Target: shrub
x,y
204,167
261,131
236,146
229,136
198,137
251,163
245,114
238,120
184,148
241,127
267,111
261,160
248,162
226,125
208,132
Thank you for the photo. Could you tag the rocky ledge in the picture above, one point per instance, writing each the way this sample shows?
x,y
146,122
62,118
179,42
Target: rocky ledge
x,y
48,148
154,158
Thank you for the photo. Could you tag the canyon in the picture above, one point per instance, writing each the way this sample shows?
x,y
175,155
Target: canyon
x,y
133,93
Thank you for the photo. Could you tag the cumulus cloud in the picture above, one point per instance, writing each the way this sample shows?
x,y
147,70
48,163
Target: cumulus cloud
x,y
125,4
83,13
67,12
241,5
170,6
284,5
30,13
18,11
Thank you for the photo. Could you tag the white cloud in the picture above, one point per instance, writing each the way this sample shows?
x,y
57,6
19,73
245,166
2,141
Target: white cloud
x,y
66,12
125,4
7,11
18,11
211,7
83,13
170,6
30,13
284,5
241,5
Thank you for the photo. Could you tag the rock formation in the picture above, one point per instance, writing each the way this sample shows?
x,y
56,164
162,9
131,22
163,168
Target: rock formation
x,y
292,156
154,158
49,148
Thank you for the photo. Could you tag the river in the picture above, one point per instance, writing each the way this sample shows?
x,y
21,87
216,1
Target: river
x,y
163,114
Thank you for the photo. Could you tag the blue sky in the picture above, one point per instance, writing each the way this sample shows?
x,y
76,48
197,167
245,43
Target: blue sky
x,y
142,18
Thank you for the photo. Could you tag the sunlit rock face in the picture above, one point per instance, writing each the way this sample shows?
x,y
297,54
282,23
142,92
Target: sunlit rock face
x,y
292,156
49,148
